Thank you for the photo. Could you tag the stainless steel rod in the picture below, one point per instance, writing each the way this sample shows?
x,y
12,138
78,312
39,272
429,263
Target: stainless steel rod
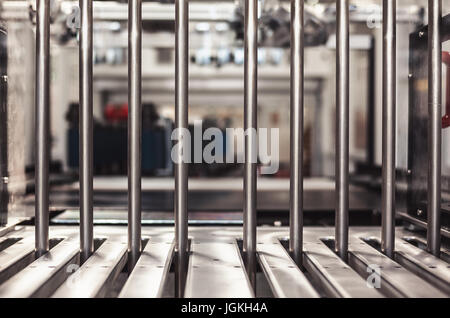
x,y
134,129
342,127
435,125
389,126
250,126
181,124
42,118
297,110
86,131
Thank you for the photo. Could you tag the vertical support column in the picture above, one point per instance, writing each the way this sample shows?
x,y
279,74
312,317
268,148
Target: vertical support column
x,y
250,126
86,131
181,125
134,129
42,125
4,167
389,126
297,110
342,127
435,125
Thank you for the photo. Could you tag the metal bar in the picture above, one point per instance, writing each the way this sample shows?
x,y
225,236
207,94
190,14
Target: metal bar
x,y
151,272
134,130
42,277
250,123
181,124
342,127
86,131
217,264
16,257
393,280
424,265
389,126
11,226
335,277
434,126
297,109
4,166
42,118
285,279
96,276
422,224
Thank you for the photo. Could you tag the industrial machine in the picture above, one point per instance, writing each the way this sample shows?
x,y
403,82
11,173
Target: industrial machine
x,y
109,110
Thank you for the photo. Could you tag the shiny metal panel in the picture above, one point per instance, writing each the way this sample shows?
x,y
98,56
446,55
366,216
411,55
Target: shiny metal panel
x,y
96,276
216,268
16,257
43,276
423,264
150,274
285,278
216,271
336,277
396,281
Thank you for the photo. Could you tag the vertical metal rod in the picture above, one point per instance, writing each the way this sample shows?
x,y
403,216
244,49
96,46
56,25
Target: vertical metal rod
x,y
181,124
297,109
134,129
435,125
42,125
342,127
86,131
250,126
389,126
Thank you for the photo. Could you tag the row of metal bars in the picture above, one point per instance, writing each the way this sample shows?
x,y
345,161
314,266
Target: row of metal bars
x,y
250,119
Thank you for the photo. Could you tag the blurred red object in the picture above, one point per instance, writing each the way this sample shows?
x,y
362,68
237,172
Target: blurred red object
x,y
114,113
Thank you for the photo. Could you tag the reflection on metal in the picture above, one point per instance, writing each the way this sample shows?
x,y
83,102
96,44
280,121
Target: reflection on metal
x,y
97,275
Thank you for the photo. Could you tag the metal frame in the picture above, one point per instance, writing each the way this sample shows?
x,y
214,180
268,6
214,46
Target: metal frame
x,y
216,267
425,180
230,275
